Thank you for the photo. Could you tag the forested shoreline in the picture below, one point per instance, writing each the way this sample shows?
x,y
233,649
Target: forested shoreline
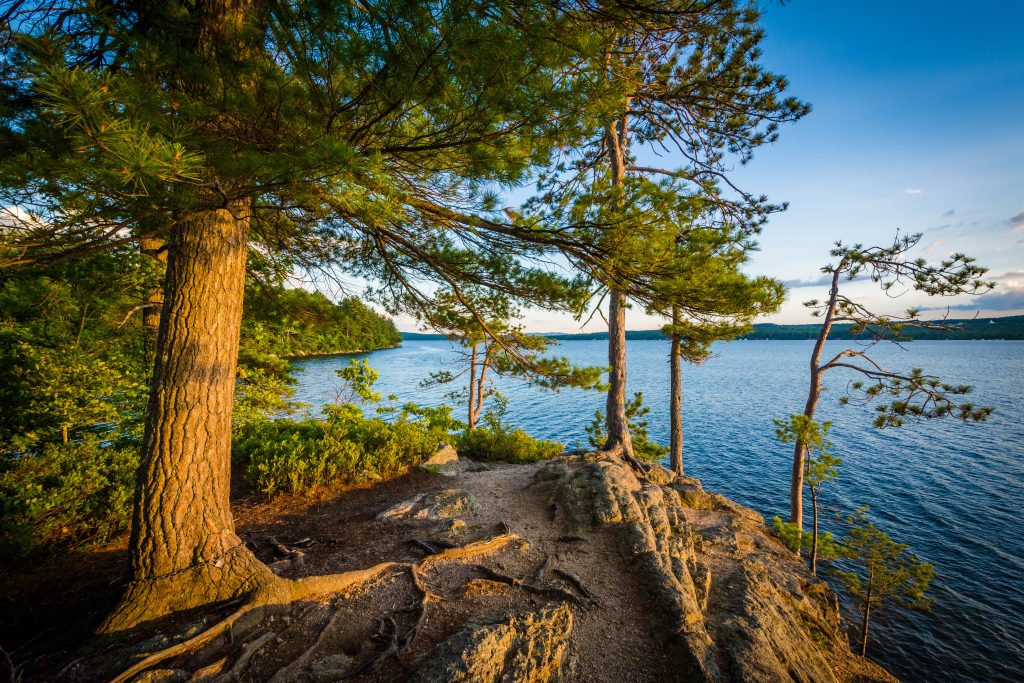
x,y
1010,328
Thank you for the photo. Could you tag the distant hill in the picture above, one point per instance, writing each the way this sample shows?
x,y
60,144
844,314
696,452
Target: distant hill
x,y
412,336
1009,327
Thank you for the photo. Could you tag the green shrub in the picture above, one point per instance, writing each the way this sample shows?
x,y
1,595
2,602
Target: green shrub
x,y
497,442
67,494
636,411
346,448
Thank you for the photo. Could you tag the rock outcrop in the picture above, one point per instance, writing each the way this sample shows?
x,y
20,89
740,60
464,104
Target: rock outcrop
x,y
523,648
729,601
446,504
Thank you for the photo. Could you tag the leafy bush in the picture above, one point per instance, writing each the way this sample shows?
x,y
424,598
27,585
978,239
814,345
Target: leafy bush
x,y
66,494
505,445
346,448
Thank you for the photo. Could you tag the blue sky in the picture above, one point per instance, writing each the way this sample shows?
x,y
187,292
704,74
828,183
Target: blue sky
x,y
918,125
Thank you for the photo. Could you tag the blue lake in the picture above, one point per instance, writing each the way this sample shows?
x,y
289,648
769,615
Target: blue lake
x,y
953,491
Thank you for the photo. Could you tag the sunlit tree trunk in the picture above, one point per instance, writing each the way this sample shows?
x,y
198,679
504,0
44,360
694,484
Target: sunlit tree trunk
x,y
154,248
867,619
796,489
617,423
676,400
183,548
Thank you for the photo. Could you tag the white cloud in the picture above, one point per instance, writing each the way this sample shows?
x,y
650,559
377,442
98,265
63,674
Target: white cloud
x,y
934,245
913,190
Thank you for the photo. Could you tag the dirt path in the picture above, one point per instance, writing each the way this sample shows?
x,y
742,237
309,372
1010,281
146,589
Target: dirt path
x,y
609,642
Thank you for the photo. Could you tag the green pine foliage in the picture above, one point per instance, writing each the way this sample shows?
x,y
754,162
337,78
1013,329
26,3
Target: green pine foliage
x,y
883,573
636,411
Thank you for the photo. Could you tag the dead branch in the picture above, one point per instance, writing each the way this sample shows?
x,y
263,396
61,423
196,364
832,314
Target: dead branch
x,y
576,583
423,545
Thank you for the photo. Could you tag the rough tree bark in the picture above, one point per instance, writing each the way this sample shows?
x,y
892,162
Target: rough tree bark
x,y
617,423
675,449
183,549
619,439
796,488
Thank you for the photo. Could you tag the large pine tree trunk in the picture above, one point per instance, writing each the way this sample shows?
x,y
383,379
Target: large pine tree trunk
x,y
676,409
183,548
616,421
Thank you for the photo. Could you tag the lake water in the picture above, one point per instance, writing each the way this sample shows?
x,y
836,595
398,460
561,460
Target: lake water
x,y
954,492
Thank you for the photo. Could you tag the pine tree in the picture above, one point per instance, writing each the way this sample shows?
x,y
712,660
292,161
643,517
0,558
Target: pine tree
x,y
885,572
706,298
493,345
329,133
914,395
684,78
820,468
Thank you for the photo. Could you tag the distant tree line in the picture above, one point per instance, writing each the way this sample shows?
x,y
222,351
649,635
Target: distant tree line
x,y
1009,327
295,322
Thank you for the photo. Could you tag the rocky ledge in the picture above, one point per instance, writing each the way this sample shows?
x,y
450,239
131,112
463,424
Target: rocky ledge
x,y
580,568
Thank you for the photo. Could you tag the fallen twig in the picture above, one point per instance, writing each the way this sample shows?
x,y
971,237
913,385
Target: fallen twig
x,y
553,592
576,583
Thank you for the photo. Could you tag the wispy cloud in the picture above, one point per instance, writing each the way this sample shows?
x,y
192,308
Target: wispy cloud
x,y
934,245
820,281
913,190
1006,300
1016,224
949,214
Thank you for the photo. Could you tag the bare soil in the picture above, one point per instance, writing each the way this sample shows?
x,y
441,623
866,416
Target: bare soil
x,y
50,607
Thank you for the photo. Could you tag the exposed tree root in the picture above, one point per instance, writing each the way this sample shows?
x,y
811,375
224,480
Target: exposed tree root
x,y
576,583
258,602
315,586
262,601
475,549
571,539
388,634
424,546
13,674
279,595
291,558
553,592
538,573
